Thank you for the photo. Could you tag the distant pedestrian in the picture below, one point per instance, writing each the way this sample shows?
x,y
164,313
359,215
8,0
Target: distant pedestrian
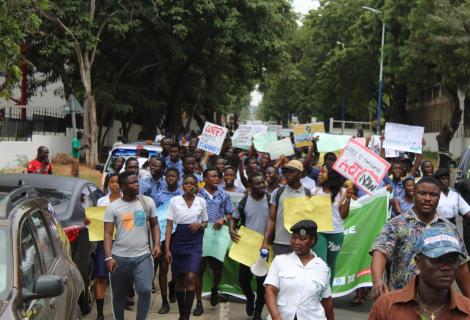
x,y
75,154
451,203
137,238
429,295
40,165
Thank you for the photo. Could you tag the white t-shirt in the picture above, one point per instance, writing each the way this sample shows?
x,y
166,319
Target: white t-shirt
x,y
337,219
104,201
179,212
308,182
301,288
450,205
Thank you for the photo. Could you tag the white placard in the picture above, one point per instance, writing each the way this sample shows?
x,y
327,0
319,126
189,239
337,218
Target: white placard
x,y
212,138
244,134
281,148
362,166
401,137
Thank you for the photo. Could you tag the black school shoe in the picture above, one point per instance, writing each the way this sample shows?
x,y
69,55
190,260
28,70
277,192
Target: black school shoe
x,y
165,308
214,297
171,292
199,310
257,316
250,306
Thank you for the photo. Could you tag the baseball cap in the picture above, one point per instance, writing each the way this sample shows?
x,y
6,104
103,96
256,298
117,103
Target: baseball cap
x,y
295,164
441,172
436,242
305,227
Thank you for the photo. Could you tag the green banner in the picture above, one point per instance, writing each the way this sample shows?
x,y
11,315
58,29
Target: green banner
x,y
366,218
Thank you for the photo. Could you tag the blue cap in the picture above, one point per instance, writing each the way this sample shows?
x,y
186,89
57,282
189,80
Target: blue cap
x,y
436,242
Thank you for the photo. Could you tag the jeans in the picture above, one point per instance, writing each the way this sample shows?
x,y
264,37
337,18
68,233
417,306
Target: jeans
x,y
139,270
244,277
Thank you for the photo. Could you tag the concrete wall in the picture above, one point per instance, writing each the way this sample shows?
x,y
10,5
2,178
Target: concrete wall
x,y
457,145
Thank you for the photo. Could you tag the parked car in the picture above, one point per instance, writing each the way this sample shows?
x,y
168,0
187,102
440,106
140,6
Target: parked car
x,y
38,279
126,151
69,197
463,168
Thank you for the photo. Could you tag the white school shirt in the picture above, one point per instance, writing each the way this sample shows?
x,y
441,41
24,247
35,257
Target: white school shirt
x,y
308,183
179,212
450,205
301,288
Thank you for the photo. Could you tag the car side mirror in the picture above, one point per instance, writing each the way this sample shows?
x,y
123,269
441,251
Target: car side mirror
x,y
99,167
452,164
46,286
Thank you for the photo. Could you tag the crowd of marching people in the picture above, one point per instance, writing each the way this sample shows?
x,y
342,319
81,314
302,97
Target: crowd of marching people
x,y
415,258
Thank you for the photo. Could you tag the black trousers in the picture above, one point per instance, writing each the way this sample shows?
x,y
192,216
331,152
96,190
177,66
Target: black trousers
x,y
244,277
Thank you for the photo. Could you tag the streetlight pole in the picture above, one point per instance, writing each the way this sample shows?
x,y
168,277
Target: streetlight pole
x,y
343,98
379,98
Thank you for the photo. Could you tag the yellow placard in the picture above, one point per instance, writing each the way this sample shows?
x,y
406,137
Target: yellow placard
x,y
96,227
303,133
247,250
316,208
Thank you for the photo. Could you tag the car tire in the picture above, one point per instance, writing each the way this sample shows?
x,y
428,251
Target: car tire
x,y
87,297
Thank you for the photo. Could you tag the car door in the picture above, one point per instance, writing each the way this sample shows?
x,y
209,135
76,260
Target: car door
x,y
31,267
54,265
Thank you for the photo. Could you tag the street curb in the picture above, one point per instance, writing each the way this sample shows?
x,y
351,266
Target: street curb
x,y
224,311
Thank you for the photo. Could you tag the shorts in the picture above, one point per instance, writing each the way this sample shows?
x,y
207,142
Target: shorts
x,y
99,264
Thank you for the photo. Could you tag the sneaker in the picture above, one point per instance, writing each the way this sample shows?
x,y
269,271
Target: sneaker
x,y
129,303
250,306
165,308
171,292
257,316
199,310
214,297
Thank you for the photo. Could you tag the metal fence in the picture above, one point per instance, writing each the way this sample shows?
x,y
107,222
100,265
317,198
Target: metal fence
x,y
19,123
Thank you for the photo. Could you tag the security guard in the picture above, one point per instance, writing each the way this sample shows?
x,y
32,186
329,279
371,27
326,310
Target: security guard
x,y
298,283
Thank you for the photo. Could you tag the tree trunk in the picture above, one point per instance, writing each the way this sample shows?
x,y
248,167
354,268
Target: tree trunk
x,y
90,130
398,104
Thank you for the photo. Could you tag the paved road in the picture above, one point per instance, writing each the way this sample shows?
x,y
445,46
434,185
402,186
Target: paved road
x,y
235,310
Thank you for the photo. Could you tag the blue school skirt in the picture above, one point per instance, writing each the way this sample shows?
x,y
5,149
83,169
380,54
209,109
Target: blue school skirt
x,y
186,250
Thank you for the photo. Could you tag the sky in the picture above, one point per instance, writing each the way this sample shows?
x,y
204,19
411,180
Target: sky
x,y
302,7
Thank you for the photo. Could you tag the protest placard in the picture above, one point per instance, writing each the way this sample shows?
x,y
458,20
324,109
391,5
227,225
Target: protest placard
x,y
242,137
281,148
212,138
96,226
215,242
389,153
275,128
316,208
375,144
361,141
362,166
285,133
303,133
401,137
246,250
262,140
331,142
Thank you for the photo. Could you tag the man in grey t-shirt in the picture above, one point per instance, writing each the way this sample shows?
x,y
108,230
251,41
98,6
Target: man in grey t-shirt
x,y
253,211
129,258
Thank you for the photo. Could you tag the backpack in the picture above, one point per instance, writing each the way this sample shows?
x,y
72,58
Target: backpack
x,y
242,205
146,207
281,189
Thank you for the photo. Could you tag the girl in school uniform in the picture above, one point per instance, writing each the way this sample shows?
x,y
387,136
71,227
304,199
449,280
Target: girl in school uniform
x,y
184,246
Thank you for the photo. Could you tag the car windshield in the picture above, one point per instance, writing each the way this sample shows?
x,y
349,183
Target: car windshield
x,y
59,199
5,265
125,153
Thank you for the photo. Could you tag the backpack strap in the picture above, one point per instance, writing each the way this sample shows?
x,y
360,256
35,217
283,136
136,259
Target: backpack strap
x,y
241,209
307,191
279,192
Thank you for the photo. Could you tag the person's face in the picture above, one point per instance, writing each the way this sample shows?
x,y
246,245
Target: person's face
x,y
79,136
428,169
220,165
212,179
229,177
155,168
397,171
292,175
445,182
405,164
258,185
174,154
131,188
189,185
118,164
409,187
133,166
323,175
271,175
172,178
426,197
438,273
329,161
113,185
301,244
183,151
252,165
166,143
265,161
188,165
229,153
43,153
197,168
198,154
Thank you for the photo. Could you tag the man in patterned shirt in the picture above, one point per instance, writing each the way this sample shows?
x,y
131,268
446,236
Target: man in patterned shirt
x,y
219,209
152,185
397,241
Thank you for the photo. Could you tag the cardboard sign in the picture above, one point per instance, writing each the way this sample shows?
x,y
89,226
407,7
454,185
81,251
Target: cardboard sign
x,y
401,137
362,166
316,208
242,137
285,133
212,138
303,133
263,140
275,128
331,142
281,148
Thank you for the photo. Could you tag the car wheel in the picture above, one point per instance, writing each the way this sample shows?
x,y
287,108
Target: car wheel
x,y
87,297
